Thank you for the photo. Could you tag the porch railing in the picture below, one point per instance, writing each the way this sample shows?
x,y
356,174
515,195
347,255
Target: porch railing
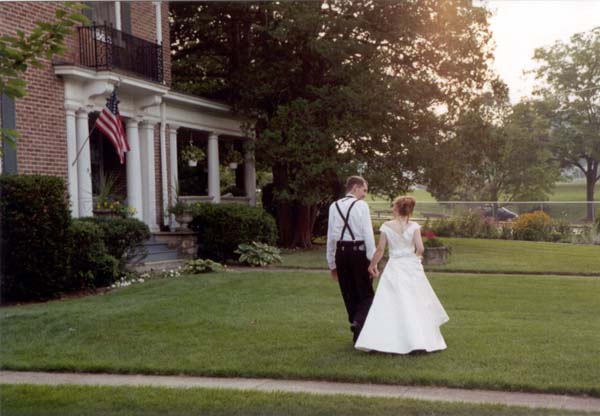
x,y
103,47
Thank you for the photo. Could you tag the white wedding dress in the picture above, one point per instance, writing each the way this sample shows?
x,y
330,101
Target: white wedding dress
x,y
406,315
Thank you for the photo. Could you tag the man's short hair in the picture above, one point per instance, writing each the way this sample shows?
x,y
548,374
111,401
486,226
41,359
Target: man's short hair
x,y
353,181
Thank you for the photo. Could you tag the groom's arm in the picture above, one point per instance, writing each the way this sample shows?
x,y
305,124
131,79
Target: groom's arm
x,y
331,241
368,230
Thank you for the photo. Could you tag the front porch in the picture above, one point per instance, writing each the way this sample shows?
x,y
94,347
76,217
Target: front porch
x,y
158,122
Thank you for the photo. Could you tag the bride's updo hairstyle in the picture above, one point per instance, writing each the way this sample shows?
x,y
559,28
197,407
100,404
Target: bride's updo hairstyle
x,y
404,205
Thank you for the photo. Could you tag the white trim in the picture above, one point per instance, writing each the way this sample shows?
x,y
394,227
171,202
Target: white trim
x,y
88,74
118,21
179,98
158,13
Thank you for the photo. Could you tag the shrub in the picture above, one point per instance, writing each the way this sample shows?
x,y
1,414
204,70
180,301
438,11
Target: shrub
x,y
91,264
258,254
506,232
34,222
202,266
469,224
444,227
533,226
123,237
223,227
561,230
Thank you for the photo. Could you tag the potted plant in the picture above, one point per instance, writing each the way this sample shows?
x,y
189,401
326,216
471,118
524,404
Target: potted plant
x,y
106,202
233,158
192,154
435,250
184,213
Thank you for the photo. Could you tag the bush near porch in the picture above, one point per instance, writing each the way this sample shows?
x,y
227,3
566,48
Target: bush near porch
x,y
35,222
45,253
223,227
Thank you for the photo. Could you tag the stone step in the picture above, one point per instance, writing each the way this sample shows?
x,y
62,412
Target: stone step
x,y
157,266
162,255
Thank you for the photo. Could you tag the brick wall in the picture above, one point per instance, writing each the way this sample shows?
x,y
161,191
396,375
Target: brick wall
x,y
40,115
143,25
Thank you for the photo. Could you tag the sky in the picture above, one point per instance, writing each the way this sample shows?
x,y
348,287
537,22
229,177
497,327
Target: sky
x,y
520,26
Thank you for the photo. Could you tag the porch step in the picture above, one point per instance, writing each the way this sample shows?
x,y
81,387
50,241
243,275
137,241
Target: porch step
x,y
157,266
156,252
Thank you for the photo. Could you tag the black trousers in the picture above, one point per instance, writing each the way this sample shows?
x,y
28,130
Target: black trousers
x,y
353,276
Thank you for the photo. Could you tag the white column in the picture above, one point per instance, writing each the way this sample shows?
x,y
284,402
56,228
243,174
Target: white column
x,y
214,179
84,165
250,176
148,174
164,180
71,154
134,172
173,180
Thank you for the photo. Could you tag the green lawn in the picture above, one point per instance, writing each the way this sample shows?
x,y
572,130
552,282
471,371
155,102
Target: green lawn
x,y
573,191
20,400
499,256
505,332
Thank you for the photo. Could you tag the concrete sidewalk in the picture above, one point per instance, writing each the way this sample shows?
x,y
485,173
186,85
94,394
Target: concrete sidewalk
x,y
548,401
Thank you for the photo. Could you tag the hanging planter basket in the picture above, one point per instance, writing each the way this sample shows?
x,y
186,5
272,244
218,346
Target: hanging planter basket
x,y
192,163
233,165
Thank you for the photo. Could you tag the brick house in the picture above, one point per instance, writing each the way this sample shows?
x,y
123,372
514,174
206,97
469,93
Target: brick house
x,y
128,49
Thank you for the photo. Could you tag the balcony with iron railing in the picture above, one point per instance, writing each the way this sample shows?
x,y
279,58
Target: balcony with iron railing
x,y
104,48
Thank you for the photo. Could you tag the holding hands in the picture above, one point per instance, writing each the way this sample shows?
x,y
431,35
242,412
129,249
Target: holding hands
x,y
373,270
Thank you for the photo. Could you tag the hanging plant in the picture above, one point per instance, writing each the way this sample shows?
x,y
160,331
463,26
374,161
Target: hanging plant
x,y
192,154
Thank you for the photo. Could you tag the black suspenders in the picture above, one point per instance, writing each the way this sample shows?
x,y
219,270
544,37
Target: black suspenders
x,y
345,219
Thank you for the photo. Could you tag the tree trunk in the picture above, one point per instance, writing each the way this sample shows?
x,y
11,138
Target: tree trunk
x,y
305,221
296,222
590,177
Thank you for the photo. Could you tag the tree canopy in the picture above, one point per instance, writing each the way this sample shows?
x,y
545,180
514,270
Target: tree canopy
x,y
363,84
568,75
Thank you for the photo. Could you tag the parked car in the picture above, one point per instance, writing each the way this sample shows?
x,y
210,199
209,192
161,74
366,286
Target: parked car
x,y
502,214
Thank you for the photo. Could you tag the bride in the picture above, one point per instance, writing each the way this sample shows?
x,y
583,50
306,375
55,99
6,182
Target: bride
x,y
406,315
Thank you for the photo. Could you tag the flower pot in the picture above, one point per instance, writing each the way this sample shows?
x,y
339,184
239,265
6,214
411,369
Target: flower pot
x,y
233,165
192,163
104,212
184,219
435,255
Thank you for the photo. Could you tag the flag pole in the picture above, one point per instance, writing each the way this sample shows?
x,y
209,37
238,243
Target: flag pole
x,y
83,145
93,128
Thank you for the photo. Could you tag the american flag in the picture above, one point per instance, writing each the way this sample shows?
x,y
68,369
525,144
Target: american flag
x,y
110,124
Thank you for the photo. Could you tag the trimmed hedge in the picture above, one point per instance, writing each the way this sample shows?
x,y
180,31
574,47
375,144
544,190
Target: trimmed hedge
x,y
223,227
34,222
123,237
91,264
45,253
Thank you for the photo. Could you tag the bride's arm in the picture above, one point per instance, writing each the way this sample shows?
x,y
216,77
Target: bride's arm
x,y
377,255
420,248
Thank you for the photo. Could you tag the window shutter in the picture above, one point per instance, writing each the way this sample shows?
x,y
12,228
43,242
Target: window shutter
x,y
9,156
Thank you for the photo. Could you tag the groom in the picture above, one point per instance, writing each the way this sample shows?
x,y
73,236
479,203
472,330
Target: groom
x,y
350,247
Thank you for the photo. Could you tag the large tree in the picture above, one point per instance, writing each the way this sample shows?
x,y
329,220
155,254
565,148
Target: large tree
x,y
334,84
569,85
496,153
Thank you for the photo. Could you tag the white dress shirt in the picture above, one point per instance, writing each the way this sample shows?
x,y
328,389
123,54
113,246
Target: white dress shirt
x,y
359,222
